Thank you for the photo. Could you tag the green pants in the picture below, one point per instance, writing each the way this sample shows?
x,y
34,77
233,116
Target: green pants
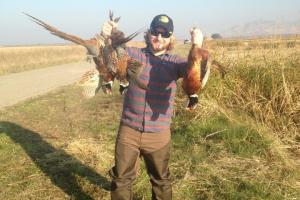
x,y
155,149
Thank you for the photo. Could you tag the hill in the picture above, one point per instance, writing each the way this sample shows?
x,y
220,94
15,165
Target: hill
x,y
264,28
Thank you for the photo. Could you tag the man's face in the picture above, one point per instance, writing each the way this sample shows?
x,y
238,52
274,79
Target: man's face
x,y
159,39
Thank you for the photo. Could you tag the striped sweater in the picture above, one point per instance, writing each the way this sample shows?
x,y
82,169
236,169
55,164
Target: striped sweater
x,y
151,110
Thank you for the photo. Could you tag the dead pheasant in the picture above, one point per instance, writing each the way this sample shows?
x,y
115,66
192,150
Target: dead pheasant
x,y
108,54
198,73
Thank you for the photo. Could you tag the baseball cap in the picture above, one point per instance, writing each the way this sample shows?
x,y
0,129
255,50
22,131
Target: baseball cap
x,y
162,21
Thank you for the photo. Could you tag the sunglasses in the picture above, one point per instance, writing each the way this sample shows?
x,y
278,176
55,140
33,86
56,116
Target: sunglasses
x,y
163,34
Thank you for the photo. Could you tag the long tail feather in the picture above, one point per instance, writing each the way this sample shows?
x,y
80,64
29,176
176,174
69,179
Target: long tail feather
x,y
122,41
57,32
111,17
117,19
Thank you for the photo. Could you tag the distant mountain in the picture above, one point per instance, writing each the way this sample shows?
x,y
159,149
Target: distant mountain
x,y
263,28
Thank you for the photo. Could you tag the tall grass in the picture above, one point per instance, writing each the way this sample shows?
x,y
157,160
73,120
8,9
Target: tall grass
x,y
252,114
266,86
263,43
18,59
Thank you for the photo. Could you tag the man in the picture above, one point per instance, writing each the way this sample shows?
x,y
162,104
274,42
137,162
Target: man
x,y
145,123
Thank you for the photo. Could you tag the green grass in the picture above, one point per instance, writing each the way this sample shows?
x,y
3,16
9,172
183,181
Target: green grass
x,y
219,131
220,159
62,152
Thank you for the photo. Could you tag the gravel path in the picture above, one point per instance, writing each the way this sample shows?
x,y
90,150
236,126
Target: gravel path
x,y
21,86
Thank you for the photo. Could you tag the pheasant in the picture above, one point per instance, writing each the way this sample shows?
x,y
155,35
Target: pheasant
x,y
197,74
108,54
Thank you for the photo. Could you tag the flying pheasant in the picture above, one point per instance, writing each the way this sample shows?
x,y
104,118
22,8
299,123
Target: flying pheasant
x,y
108,54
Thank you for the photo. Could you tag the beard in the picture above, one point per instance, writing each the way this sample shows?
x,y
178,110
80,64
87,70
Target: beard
x,y
157,46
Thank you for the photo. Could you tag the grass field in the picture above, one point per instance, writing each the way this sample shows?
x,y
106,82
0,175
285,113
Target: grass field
x,y
24,58
242,141
18,59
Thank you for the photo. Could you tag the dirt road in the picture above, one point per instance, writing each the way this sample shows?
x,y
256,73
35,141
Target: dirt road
x,y
21,86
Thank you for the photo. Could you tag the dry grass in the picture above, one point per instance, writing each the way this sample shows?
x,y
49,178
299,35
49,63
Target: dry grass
x,y
265,84
63,146
260,98
139,44
242,141
18,59
275,42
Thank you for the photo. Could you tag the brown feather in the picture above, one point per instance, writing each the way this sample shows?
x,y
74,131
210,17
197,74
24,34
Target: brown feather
x,y
90,44
56,32
197,60
133,71
110,61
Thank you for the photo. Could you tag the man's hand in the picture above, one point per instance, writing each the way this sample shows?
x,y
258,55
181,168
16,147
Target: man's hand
x,y
107,28
196,36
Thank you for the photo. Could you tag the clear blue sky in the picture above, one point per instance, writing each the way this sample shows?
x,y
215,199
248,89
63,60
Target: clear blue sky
x,y
84,18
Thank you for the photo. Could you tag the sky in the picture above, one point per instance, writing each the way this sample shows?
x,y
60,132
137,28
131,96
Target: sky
x,y
84,18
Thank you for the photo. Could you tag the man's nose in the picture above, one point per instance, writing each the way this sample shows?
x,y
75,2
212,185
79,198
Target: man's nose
x,y
159,37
